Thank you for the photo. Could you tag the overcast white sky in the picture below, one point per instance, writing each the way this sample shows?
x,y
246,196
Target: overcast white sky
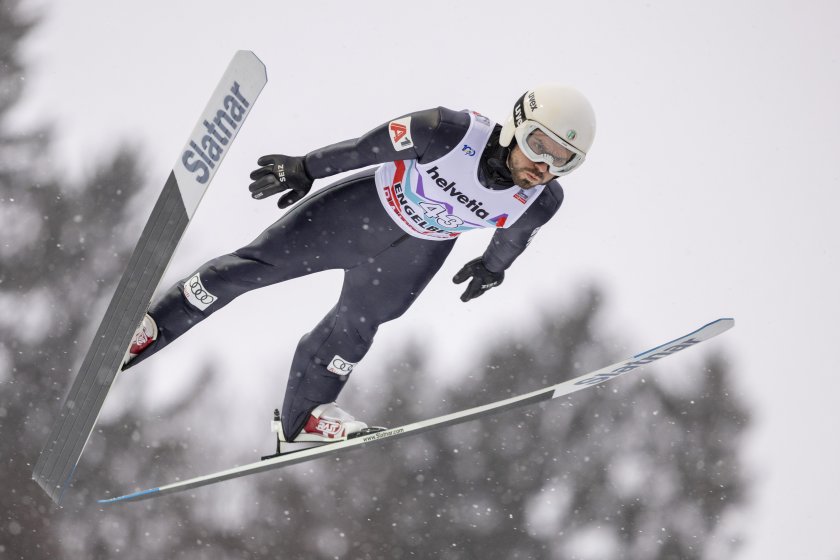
x,y
711,190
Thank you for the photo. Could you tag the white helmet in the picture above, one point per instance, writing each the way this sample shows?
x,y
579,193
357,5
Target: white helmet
x,y
563,114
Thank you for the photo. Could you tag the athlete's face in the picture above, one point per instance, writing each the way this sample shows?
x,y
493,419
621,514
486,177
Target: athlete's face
x,y
527,174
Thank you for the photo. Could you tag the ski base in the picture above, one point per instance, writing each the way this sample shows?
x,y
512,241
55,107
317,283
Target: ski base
x,y
573,385
239,87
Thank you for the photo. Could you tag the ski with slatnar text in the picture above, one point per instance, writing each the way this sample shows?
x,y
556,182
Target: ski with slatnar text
x,y
582,382
197,163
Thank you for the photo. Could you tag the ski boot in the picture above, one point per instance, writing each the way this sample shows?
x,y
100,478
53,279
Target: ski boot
x,y
327,423
146,333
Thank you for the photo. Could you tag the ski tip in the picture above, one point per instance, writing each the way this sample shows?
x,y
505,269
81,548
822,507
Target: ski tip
x,y
717,326
129,497
724,322
251,56
705,332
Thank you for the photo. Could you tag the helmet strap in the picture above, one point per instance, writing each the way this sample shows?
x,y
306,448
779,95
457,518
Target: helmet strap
x,y
509,150
493,166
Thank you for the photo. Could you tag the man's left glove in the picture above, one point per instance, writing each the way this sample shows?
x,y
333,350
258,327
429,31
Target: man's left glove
x,y
482,279
280,173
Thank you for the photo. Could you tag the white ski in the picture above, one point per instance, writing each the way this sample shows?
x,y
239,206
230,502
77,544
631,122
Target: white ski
x,y
197,163
582,382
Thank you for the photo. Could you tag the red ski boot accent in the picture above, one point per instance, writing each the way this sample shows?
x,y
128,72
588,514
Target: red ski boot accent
x,y
326,428
143,337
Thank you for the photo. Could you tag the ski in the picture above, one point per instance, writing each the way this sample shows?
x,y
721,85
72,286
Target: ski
x,y
192,173
567,387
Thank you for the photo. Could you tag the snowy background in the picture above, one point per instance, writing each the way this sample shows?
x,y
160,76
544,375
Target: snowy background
x,y
711,189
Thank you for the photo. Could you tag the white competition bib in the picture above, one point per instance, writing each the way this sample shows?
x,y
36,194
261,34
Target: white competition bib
x,y
444,198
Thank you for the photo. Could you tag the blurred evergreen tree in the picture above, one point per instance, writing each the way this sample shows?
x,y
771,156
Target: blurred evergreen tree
x,y
63,248
625,470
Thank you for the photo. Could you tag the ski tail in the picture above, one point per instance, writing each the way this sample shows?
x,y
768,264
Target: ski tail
x,y
220,121
577,384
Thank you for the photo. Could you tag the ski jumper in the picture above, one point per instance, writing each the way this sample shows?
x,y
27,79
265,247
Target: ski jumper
x,y
441,173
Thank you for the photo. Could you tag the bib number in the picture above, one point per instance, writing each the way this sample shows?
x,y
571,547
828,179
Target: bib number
x,y
437,211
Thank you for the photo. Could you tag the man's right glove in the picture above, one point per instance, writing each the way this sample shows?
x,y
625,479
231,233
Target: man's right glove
x,y
482,279
280,173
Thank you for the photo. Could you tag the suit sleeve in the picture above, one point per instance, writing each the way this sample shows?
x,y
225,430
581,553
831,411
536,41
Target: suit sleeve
x,y
507,244
432,133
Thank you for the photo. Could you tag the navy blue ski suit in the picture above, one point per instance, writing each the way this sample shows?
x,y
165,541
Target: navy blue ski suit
x,y
344,226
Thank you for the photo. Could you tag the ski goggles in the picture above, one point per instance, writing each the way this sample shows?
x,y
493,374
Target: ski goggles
x,y
540,145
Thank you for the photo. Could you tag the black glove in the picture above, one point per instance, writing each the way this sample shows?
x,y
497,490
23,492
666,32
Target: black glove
x,y
482,279
280,173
